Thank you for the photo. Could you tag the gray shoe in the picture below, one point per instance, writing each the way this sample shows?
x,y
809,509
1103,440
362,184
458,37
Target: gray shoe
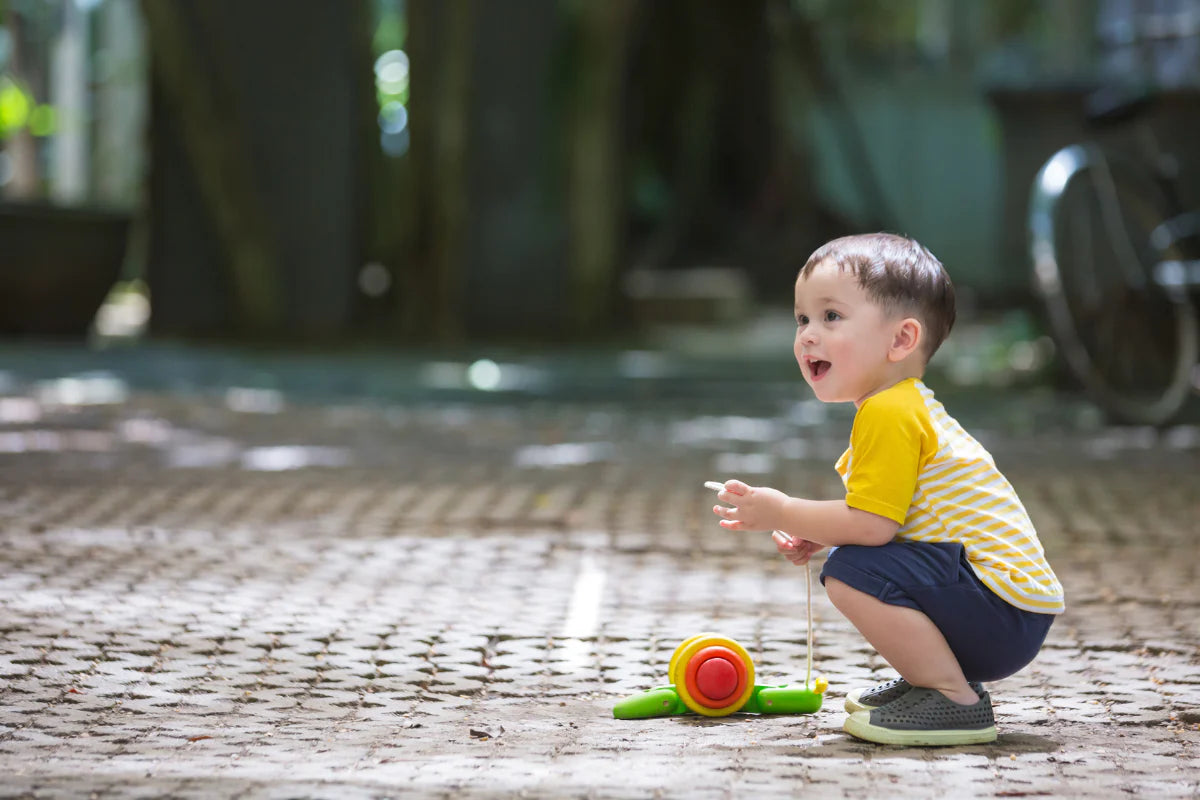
x,y
925,717
864,699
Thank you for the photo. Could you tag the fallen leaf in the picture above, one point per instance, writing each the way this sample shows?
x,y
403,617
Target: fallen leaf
x,y
482,733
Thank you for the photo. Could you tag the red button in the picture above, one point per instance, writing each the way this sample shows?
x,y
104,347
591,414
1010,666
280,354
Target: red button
x,y
716,679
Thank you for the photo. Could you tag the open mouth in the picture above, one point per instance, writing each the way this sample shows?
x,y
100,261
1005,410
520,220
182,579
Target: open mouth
x,y
817,368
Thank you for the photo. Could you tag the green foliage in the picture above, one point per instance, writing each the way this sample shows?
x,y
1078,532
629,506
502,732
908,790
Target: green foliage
x,y
15,107
390,35
873,22
43,120
19,110
391,28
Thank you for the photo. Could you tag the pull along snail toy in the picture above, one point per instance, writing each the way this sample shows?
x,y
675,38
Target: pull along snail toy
x,y
714,677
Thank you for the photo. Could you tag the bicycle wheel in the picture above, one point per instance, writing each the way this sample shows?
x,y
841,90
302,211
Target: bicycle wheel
x,y
1130,341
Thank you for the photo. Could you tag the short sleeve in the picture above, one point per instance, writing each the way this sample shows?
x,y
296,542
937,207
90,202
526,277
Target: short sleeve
x,y
887,442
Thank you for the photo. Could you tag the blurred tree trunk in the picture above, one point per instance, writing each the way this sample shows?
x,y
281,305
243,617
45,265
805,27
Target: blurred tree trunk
x,y
401,184
718,137
523,128
595,187
692,128
451,116
214,140
382,185
430,194
475,207
26,178
788,199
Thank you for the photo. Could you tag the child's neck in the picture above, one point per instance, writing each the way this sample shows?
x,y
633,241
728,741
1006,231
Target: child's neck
x,y
908,369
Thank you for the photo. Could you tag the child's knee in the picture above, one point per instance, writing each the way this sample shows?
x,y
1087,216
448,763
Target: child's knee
x,y
840,593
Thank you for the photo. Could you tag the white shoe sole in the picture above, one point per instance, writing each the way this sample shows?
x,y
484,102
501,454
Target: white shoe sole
x,y
852,703
853,700
858,724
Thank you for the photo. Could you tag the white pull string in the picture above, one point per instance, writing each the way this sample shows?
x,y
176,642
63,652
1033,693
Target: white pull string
x,y
808,590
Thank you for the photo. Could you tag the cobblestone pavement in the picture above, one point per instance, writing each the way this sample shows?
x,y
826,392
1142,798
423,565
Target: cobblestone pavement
x,y
235,594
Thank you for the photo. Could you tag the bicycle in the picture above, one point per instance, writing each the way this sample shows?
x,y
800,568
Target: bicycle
x,y
1116,263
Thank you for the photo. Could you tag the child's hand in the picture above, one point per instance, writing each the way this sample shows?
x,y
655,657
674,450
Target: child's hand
x,y
754,508
797,551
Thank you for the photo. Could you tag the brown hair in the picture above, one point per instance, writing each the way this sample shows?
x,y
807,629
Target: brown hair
x,y
900,275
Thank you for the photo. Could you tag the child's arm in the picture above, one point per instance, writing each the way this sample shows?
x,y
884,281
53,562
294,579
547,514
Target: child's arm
x,y
826,522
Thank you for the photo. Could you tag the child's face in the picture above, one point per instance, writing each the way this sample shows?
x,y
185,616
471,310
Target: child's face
x,y
842,338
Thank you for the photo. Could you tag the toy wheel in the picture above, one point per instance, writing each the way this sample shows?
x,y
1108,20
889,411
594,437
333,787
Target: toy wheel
x,y
714,676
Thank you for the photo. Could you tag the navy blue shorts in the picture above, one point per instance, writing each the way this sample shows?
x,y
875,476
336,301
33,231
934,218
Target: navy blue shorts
x,y
990,638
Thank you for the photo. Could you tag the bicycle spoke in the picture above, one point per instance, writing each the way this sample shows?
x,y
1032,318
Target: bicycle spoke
x,y
1121,236
1111,333
1081,236
1153,322
1146,370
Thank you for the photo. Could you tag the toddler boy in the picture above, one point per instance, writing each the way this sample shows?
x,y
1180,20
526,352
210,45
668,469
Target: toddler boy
x,y
935,560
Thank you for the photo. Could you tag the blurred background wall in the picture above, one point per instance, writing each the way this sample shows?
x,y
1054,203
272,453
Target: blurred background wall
x,y
447,170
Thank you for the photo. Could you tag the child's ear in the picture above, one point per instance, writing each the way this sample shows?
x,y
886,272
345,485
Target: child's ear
x,y
906,339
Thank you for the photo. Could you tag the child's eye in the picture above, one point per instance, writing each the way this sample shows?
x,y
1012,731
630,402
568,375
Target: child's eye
x,y
801,319
832,316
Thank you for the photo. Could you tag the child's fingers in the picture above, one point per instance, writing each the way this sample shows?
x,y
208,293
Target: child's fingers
x,y
784,543
797,551
797,557
736,487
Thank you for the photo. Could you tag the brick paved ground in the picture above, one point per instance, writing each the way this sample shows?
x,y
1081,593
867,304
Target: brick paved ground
x,y
230,593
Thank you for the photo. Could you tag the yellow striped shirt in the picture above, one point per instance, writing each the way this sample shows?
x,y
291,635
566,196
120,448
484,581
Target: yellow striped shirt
x,y
911,462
